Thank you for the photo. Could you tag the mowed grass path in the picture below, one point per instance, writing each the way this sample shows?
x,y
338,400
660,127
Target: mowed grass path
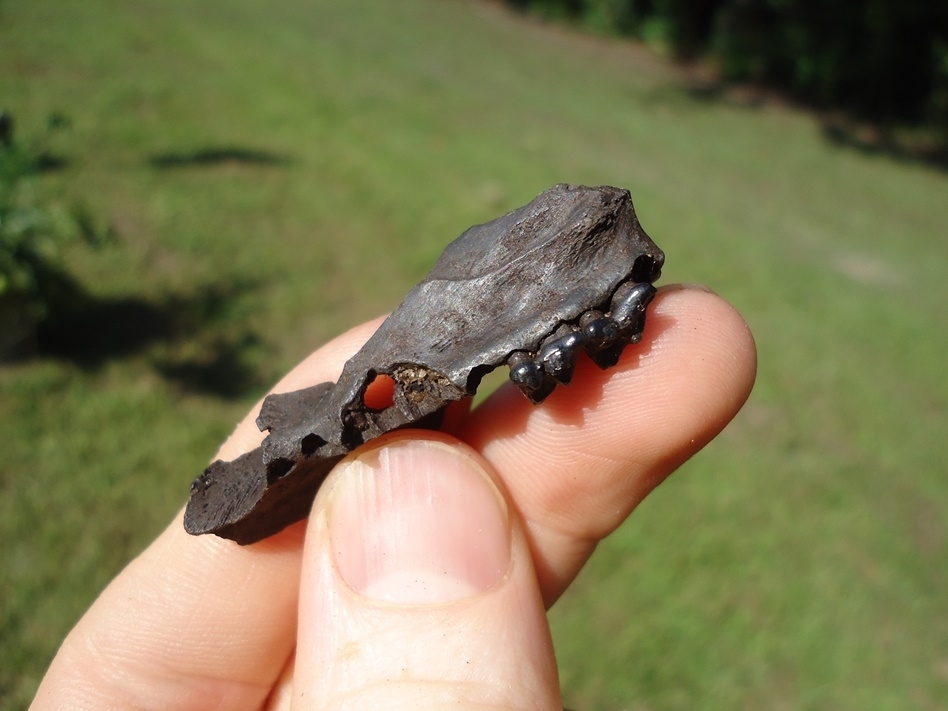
x,y
279,171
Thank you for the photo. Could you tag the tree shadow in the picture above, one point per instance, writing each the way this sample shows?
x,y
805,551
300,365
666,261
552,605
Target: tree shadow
x,y
903,144
712,90
873,139
194,340
219,366
47,162
214,156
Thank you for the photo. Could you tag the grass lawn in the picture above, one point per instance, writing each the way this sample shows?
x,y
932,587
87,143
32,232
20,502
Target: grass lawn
x,y
279,171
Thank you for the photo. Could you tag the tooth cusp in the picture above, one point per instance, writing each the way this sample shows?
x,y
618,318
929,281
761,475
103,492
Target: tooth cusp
x,y
628,307
525,372
558,356
600,332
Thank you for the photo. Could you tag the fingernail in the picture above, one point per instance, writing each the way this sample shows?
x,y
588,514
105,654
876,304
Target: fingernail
x,y
418,521
685,286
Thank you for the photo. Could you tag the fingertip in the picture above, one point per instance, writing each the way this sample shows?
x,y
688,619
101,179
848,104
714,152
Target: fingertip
x,y
580,462
709,344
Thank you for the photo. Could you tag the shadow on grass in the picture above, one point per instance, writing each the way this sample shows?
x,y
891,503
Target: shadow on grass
x,y
50,163
195,340
223,155
870,138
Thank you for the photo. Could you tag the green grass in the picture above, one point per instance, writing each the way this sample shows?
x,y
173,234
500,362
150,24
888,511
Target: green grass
x,y
801,562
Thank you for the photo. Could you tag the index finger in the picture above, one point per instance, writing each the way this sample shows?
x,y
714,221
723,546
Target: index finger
x,y
577,467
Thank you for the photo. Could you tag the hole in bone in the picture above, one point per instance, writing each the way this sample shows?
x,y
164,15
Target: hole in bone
x,y
310,443
380,393
644,269
477,374
278,468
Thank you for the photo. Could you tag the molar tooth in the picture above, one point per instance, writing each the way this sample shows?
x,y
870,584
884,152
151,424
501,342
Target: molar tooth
x,y
538,396
607,356
558,355
599,332
628,308
603,339
525,372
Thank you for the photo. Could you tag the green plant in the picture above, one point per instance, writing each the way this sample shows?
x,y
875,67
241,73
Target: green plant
x,y
34,281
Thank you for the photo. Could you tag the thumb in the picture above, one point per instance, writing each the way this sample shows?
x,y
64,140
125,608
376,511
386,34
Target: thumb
x,y
418,589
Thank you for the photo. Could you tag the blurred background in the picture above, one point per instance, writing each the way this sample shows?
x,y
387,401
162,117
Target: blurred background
x,y
196,195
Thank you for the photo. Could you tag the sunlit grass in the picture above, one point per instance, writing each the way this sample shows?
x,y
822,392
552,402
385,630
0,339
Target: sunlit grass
x,y
801,562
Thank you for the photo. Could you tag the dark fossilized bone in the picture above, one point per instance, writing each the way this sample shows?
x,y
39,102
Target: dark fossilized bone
x,y
572,271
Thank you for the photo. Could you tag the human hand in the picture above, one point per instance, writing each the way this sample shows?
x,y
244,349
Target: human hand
x,y
422,577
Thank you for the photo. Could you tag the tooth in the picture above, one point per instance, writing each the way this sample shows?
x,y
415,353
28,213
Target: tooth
x,y
558,355
525,372
628,308
608,356
538,396
602,338
598,330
